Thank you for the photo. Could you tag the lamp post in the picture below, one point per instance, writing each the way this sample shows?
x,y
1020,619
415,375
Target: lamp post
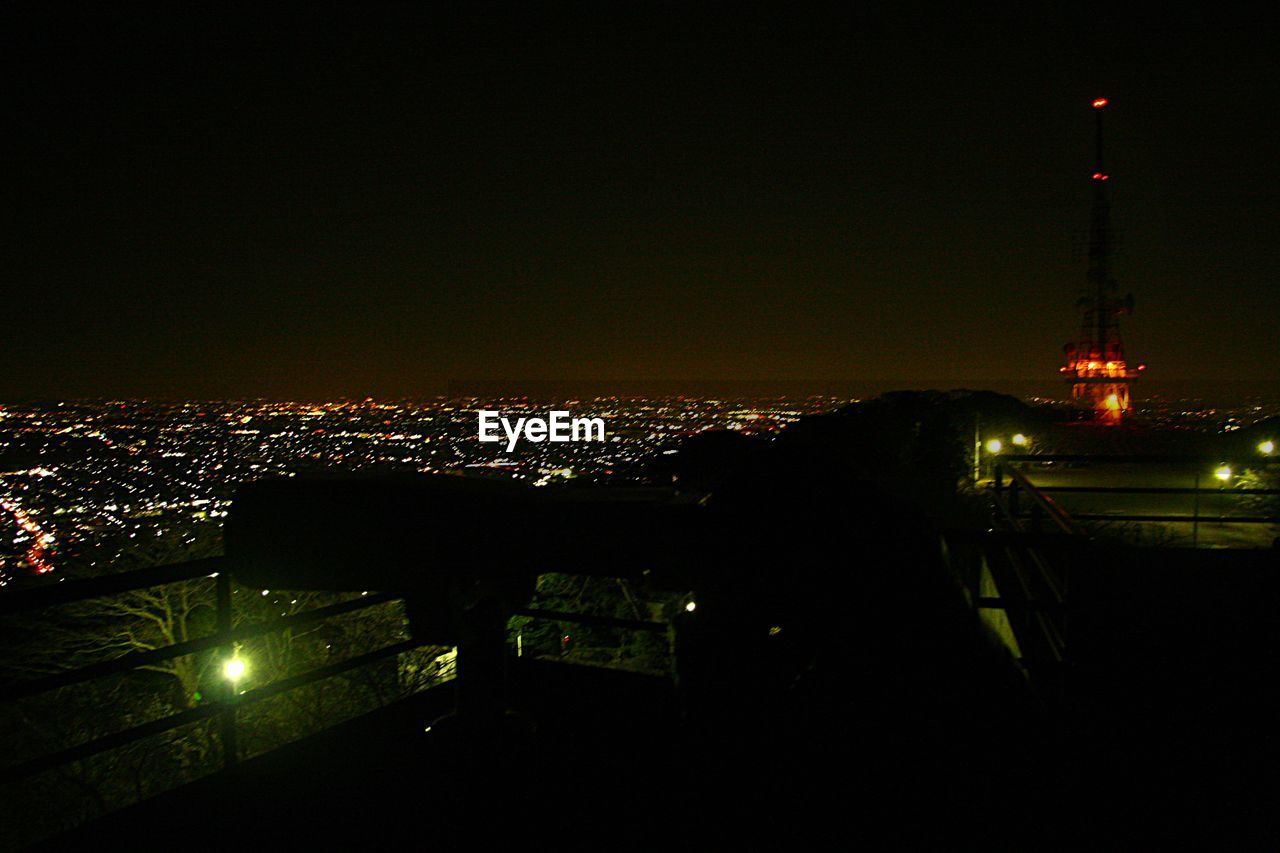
x,y
1195,515
1223,475
234,669
993,446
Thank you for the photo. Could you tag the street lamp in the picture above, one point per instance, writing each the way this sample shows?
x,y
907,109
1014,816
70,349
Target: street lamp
x,y
1266,448
1019,439
995,445
1223,473
234,670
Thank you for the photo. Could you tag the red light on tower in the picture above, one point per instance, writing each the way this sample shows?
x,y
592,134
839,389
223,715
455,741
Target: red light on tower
x,y
1096,368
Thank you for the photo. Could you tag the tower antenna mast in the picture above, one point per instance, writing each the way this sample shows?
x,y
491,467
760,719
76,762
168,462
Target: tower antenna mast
x,y
1096,366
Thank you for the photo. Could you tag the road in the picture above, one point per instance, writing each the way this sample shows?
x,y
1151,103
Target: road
x,y
38,552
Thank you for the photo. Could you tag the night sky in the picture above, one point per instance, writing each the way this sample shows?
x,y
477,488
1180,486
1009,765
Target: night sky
x,y
342,202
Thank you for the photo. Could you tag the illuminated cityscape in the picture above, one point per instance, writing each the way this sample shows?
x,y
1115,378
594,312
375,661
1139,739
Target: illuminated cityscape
x,y
87,481
83,482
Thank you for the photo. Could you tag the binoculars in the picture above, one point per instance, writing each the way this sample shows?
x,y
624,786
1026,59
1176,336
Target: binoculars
x,y
463,553
441,541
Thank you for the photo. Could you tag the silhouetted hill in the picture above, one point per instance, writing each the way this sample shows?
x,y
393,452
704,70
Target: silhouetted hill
x,y
917,445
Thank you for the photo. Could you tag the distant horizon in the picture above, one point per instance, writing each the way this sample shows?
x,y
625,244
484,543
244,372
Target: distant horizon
x,y
1207,390
378,199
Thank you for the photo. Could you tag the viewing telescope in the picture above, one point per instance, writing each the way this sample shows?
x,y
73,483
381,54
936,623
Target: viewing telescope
x,y
464,553
423,536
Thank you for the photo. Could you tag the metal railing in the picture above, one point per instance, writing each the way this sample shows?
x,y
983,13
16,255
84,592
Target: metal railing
x,y
224,638
1042,508
1026,559
1041,494
1031,575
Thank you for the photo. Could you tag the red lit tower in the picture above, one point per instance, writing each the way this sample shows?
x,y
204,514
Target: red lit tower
x,y
1096,367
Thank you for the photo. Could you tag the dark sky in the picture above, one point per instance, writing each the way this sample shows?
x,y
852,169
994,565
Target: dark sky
x,y
345,202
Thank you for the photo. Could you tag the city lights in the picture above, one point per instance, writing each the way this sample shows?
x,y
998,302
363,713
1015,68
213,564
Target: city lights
x,y
112,489
1223,473
115,491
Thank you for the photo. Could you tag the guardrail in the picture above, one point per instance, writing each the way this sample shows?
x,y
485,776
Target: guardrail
x,y
1129,458
1032,586
1040,494
1042,507
224,638
1021,568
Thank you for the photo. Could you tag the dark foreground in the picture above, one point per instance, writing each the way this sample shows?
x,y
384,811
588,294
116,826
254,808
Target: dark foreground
x,y
833,688
932,742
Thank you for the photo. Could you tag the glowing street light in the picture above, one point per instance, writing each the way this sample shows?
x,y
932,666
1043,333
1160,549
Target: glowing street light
x,y
691,606
234,669
1019,439
1223,473
1266,448
995,445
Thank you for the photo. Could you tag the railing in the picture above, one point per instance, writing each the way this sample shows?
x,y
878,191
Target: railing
x,y
1016,574
1017,583
224,638
1028,569
1040,494
1042,506
1019,572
